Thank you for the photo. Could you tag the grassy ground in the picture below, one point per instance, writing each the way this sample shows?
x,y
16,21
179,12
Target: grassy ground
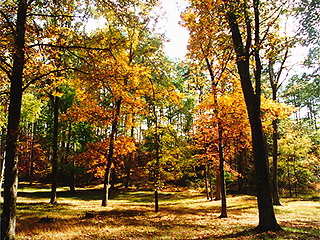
x,y
130,215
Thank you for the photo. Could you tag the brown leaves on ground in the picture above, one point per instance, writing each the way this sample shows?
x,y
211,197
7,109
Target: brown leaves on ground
x,y
183,215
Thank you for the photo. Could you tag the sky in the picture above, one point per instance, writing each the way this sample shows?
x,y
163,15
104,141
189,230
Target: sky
x,y
176,46
177,36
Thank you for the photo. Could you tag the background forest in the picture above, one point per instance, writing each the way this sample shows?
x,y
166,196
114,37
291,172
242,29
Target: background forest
x,y
107,106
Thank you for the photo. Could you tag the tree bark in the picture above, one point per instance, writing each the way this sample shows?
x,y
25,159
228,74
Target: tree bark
x,y
54,160
31,165
274,179
218,186
274,82
2,158
267,220
240,171
221,171
72,163
8,217
114,128
156,201
206,181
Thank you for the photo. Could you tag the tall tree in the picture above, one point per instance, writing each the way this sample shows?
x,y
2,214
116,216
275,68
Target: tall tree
x,y
23,30
244,25
267,220
15,74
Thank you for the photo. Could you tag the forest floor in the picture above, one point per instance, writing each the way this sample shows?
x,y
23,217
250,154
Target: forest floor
x,y
130,215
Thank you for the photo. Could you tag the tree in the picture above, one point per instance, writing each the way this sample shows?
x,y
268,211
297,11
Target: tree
x,y
277,55
244,24
267,220
21,35
15,74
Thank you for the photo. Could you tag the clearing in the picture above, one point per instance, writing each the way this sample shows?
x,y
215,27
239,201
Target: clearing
x,y
130,215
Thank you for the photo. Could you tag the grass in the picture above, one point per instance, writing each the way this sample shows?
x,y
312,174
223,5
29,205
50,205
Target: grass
x,y
130,215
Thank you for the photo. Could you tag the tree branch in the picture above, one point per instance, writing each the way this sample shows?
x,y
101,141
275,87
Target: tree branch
x,y
11,25
47,74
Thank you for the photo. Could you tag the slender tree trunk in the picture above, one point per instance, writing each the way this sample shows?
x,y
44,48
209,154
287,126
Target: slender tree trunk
x,y
267,220
274,179
289,179
2,163
8,217
157,171
218,186
240,172
54,160
127,181
114,128
72,164
31,167
274,82
206,181
221,171
156,201
210,182
128,165
2,158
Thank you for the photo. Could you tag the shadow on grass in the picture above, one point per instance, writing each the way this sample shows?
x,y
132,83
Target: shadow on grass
x,y
115,194
287,233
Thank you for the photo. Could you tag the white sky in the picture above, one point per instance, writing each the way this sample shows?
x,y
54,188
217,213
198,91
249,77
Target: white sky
x,y
177,36
176,47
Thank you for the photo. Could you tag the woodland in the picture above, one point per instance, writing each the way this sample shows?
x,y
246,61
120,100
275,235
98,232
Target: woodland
x,y
100,122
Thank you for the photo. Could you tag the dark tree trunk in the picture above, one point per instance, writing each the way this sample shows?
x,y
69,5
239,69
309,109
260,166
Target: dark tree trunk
x,y
129,163
218,186
240,172
156,201
114,127
274,82
8,217
54,160
221,171
274,179
2,156
31,166
206,181
210,182
267,220
289,180
72,163
157,170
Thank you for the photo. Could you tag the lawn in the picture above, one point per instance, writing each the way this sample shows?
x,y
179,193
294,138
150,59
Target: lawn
x,y
130,215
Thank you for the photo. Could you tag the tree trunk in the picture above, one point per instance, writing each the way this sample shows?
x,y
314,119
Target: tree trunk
x,y
221,171
274,80
2,163
114,128
267,220
2,158
274,179
240,172
289,179
8,217
156,201
72,164
210,182
218,186
31,166
54,160
128,164
206,181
